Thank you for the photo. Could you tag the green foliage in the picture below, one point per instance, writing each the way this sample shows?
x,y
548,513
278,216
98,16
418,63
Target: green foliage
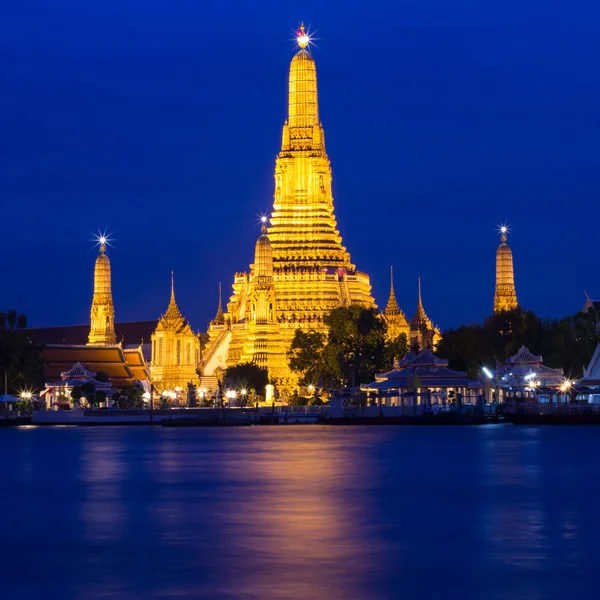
x,y
356,342
306,356
20,358
76,393
395,349
246,375
129,398
567,343
352,352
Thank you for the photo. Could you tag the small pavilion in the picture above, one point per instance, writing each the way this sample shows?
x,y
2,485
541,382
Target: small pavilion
x,y
420,379
57,394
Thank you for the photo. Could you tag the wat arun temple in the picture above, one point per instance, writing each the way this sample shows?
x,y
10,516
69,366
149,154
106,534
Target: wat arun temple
x,y
300,272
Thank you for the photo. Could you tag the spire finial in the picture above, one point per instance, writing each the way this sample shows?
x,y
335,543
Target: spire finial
x,y
172,287
503,232
302,37
419,284
391,280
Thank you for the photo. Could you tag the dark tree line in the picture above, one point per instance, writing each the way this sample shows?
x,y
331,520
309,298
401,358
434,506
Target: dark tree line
x,y
21,364
567,343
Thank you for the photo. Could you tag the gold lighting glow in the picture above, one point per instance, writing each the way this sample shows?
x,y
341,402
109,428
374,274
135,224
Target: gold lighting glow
x,y
505,297
301,269
102,313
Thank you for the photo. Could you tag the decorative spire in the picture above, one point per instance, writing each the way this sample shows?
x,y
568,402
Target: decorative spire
x,y
505,297
302,37
303,128
421,319
220,318
392,307
172,310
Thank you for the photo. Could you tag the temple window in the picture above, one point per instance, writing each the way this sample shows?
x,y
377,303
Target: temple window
x,y
160,350
178,353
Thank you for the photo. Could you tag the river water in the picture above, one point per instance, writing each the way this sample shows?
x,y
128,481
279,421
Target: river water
x,y
300,512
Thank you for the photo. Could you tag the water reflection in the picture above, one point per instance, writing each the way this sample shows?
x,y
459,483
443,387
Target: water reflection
x,y
300,512
299,521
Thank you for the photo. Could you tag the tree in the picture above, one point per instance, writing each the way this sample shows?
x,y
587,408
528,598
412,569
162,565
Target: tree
x,y
129,398
76,394
395,349
246,375
306,356
567,343
21,363
357,342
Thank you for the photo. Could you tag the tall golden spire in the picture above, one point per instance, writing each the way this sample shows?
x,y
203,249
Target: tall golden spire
x,y
102,314
392,307
505,297
303,230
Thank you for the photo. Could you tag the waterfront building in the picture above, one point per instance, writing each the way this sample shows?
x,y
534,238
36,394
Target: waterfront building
x,y
524,380
505,297
102,314
123,367
311,270
420,378
175,350
57,393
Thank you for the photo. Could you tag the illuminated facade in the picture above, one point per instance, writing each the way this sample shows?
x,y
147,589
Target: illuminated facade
x,y
175,350
505,297
311,269
102,315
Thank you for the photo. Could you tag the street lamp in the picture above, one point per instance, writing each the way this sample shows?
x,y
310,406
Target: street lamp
x,y
244,392
147,396
201,393
230,396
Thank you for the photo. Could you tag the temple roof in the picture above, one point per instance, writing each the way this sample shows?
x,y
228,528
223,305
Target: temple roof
x,y
78,370
591,374
524,356
110,360
425,358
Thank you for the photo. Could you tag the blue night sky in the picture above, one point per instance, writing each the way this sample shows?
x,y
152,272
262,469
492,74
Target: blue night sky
x,y
161,120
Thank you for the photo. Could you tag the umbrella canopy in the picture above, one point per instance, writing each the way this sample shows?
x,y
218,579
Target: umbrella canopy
x,y
8,398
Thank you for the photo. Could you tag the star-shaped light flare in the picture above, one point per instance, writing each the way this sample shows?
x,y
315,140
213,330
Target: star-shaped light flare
x,y
102,239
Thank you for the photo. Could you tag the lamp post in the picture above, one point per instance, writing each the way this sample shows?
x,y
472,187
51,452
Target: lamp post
x,y
244,393
201,393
